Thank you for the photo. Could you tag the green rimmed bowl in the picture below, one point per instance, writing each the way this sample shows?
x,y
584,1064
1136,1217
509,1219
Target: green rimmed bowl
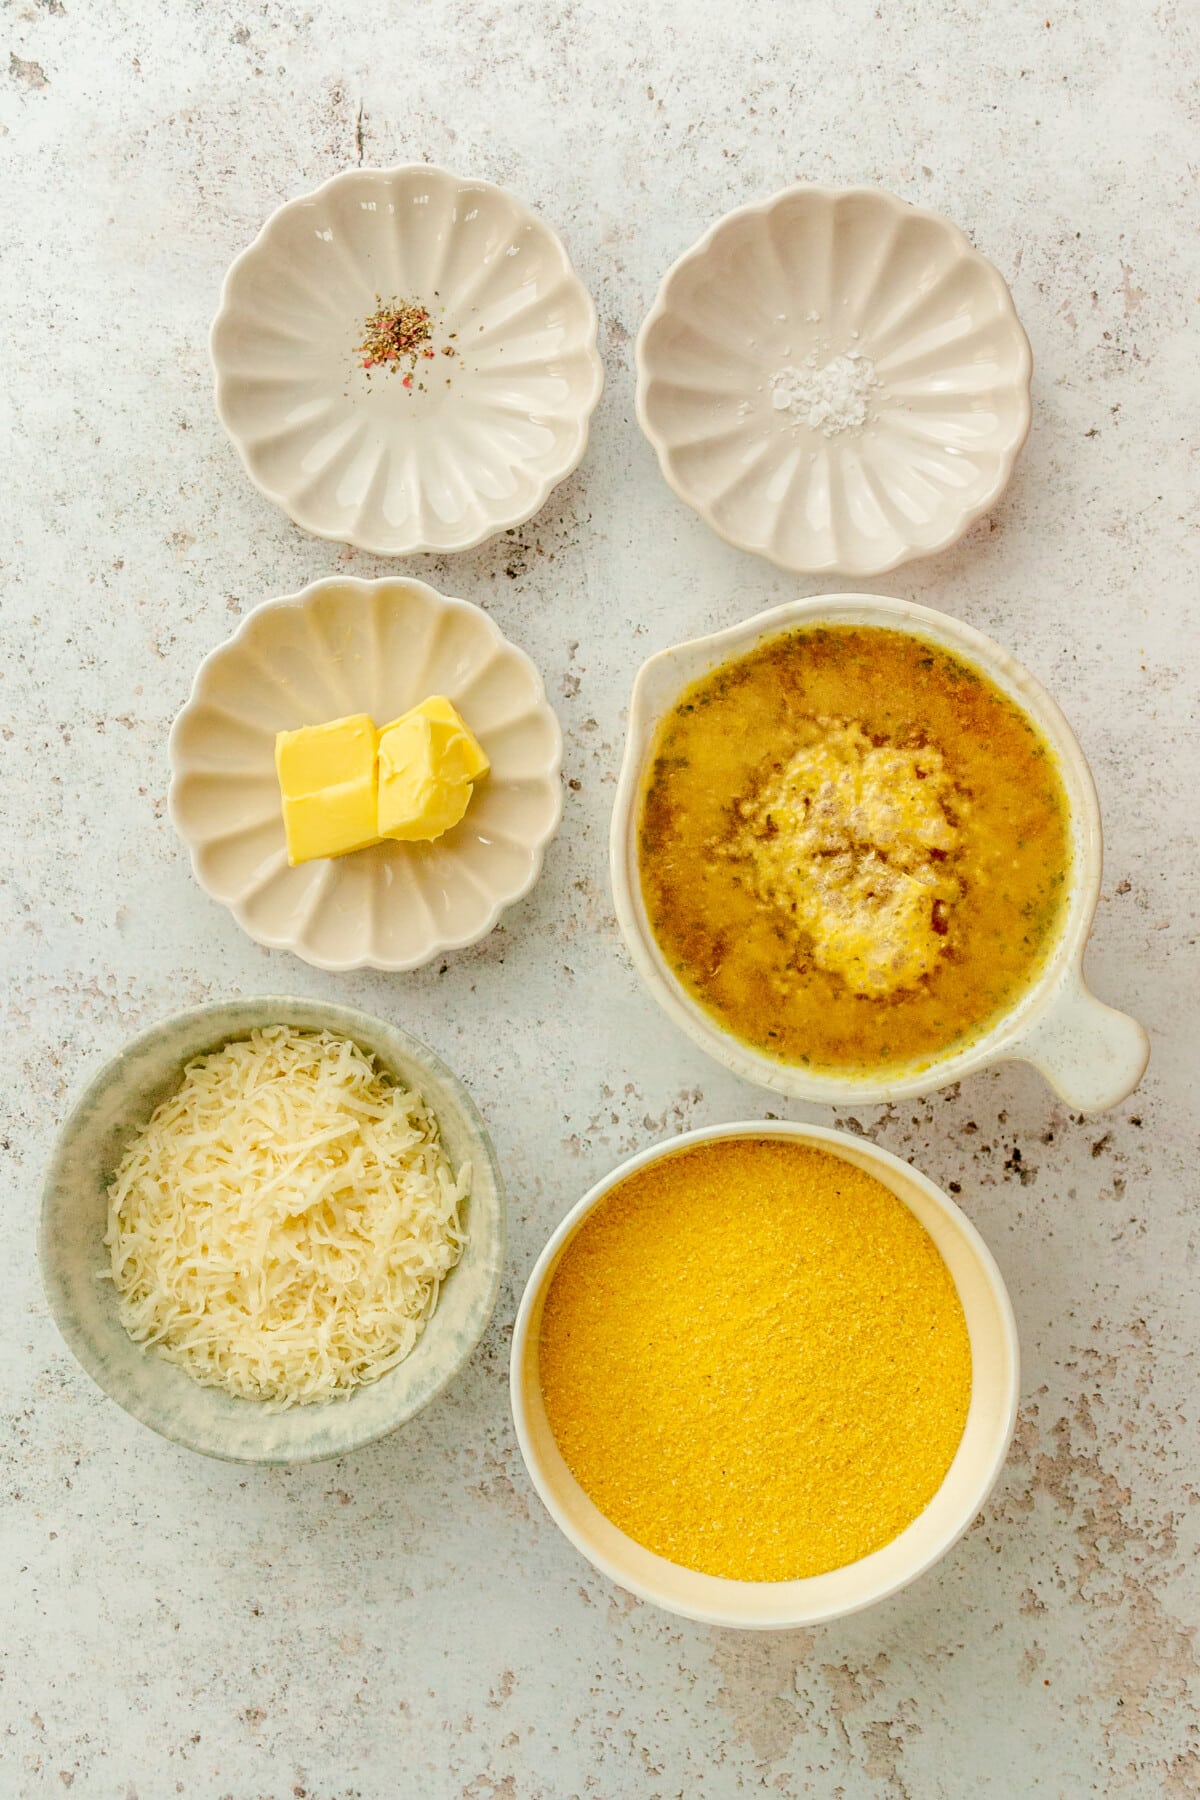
x,y
115,1104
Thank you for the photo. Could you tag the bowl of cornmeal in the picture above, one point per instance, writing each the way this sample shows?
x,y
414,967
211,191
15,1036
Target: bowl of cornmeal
x,y
764,1375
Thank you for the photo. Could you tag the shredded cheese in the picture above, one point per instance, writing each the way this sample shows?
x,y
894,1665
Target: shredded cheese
x,y
282,1225
856,841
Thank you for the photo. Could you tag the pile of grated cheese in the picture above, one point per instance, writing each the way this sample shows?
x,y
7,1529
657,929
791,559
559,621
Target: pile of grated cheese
x,y
855,841
282,1225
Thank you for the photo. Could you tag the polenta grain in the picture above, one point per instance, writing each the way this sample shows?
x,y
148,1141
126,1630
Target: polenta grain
x,y
755,1361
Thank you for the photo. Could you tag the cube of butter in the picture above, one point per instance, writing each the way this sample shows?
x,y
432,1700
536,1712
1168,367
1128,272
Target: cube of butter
x,y
328,785
457,749
428,761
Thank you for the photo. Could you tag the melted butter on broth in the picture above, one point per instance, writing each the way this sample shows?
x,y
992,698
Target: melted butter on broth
x,y
854,848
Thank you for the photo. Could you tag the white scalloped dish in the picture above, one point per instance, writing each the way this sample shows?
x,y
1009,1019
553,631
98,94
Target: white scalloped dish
x,y
491,422
340,647
931,373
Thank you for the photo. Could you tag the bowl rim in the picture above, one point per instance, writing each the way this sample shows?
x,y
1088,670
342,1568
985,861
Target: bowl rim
x,y
662,307
410,545
820,1137
301,599
1063,964
345,1020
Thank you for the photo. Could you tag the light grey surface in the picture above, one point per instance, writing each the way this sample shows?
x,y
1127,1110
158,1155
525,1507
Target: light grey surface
x,y
407,1623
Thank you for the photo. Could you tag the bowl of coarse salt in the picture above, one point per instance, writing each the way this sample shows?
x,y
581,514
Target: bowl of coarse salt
x,y
835,380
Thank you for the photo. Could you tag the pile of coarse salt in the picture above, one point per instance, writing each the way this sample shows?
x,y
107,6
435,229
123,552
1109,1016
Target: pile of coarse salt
x,y
829,397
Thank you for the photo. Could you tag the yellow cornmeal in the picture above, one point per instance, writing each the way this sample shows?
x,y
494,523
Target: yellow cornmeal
x,y
754,1360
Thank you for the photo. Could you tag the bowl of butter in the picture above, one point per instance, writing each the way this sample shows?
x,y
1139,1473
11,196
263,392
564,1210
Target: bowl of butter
x,y
366,773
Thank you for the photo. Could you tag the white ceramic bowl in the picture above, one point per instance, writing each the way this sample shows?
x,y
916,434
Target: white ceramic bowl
x,y
115,1104
825,273
361,458
776,1605
339,647
1091,1055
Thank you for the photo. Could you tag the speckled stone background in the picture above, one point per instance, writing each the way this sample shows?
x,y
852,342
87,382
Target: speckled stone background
x,y
407,1623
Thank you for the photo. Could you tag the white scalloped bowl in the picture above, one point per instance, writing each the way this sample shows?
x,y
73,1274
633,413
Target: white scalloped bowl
x,y
358,457
825,273
338,647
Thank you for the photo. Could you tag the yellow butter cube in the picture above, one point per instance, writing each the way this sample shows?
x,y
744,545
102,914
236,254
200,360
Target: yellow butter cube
x,y
428,760
457,750
328,785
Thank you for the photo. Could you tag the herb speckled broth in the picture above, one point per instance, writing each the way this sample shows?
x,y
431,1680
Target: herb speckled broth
x,y
743,957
